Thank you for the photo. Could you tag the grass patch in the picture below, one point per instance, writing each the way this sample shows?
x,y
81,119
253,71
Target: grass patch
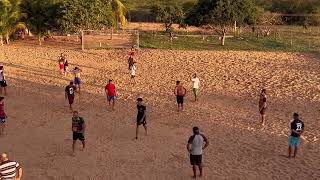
x,y
293,43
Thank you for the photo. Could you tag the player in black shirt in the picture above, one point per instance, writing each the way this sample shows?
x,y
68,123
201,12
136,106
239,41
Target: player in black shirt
x,y
70,93
297,128
78,130
141,117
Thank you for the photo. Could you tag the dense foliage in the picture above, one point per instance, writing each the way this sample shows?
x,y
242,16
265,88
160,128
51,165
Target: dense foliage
x,y
298,7
140,9
66,16
222,12
85,14
42,16
168,14
10,16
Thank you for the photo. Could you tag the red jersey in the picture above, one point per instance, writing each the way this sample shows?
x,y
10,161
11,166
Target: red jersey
x,y
61,66
132,53
2,113
111,88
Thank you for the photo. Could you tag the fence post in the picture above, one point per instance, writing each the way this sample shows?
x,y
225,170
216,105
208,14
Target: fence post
x,y
82,40
309,43
138,39
235,28
291,41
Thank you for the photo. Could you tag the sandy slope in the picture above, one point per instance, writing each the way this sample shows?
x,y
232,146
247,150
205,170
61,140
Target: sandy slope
x,y
38,133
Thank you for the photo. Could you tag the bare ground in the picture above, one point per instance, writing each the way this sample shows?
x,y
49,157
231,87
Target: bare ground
x,y
38,129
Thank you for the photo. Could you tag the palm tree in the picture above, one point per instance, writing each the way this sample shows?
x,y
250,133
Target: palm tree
x,y
119,12
10,16
42,16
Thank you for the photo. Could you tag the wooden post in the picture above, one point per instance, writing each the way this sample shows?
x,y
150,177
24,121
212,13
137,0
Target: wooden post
x,y
111,33
223,38
39,40
291,38
82,40
309,43
235,28
1,40
138,39
7,39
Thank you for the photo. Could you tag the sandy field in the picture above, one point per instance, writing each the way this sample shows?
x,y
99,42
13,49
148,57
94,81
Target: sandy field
x,y
38,133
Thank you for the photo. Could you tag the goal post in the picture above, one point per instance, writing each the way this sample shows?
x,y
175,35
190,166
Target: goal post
x,y
109,39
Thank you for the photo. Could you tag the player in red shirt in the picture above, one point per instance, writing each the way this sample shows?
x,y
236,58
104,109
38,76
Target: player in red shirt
x,y
61,63
131,58
111,93
132,51
3,116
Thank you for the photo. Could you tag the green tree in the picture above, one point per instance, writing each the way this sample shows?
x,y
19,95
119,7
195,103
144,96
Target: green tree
x,y
314,20
265,4
222,13
168,14
10,16
187,6
300,7
85,14
42,16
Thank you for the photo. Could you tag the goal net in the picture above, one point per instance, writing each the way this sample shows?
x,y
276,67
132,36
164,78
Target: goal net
x,y
105,39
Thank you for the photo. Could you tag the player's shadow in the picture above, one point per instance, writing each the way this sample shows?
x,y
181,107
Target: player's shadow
x,y
73,64
29,68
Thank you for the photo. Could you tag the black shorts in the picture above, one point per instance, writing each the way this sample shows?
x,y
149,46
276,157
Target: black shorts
x,y
2,120
180,99
3,83
195,159
143,122
77,136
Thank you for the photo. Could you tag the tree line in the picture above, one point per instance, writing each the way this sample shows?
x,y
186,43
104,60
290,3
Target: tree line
x,y
217,15
273,6
41,17
71,16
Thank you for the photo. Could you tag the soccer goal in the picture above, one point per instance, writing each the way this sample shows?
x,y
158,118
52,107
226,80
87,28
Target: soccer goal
x,y
109,39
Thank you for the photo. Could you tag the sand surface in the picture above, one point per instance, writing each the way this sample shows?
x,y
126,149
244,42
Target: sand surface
x,y
38,133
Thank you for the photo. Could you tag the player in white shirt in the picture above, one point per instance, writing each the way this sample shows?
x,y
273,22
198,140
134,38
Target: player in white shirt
x,y
133,69
196,144
195,86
